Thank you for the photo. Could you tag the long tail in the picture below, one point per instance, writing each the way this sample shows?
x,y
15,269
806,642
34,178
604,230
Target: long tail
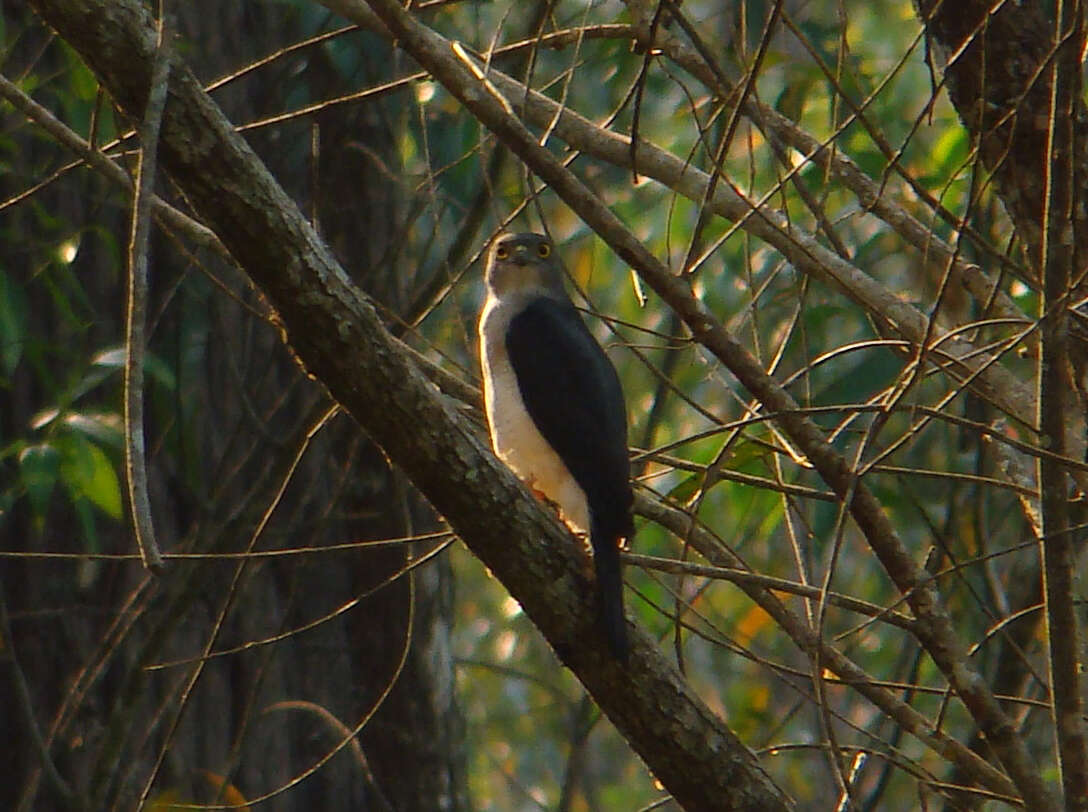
x,y
606,561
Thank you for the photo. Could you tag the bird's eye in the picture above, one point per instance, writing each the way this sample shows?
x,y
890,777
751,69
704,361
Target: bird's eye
x,y
544,249
502,252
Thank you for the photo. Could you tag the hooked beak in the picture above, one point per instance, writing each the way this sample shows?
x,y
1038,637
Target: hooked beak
x,y
521,256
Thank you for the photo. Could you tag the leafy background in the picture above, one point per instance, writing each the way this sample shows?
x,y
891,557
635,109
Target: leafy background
x,y
244,455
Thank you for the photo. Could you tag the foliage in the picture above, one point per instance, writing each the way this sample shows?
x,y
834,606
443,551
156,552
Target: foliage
x,y
407,187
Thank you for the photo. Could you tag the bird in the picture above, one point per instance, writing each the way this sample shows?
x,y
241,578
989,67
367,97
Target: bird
x,y
555,409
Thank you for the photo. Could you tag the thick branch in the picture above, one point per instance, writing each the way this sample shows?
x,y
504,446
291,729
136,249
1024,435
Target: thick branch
x,y
461,77
338,335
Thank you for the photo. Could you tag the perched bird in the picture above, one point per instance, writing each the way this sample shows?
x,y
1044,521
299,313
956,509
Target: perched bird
x,y
555,408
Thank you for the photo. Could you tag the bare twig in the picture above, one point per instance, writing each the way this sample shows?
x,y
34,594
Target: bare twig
x,y
345,736
136,311
804,636
742,576
935,628
1061,256
201,235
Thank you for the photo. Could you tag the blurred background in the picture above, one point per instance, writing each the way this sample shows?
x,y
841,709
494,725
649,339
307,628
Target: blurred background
x,y
312,592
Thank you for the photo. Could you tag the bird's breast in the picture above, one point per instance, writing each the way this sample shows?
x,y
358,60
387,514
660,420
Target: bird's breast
x,y
515,438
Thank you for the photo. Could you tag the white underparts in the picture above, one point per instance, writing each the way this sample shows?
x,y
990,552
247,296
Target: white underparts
x,y
514,436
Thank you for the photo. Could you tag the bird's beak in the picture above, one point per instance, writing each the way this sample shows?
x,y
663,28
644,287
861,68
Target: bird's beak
x,y
521,255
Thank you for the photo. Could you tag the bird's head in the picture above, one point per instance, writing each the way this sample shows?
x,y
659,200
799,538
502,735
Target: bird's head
x,y
523,264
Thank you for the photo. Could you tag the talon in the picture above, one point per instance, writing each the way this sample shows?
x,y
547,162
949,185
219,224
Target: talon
x,y
586,556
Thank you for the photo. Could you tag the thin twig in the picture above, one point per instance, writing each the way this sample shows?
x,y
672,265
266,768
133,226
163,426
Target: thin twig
x,y
935,628
1061,257
742,576
136,314
803,635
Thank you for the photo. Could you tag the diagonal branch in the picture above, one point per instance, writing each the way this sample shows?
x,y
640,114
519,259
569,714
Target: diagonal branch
x,y
809,641
966,362
337,333
454,69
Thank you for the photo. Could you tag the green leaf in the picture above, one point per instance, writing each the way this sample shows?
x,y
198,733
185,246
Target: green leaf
x,y
87,473
103,427
38,468
86,521
43,418
950,152
114,359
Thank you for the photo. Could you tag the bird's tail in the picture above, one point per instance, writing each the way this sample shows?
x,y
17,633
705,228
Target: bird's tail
x,y
606,562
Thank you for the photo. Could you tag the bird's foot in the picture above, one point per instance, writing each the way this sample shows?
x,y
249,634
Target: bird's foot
x,y
583,538
586,557
530,483
543,497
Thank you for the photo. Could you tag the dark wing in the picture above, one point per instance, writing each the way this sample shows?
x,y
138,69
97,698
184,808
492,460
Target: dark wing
x,y
573,394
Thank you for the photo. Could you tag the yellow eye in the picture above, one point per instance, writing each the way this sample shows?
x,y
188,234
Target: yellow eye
x,y
544,249
502,252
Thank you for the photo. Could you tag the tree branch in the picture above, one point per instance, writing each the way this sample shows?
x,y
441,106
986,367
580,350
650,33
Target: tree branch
x,y
810,642
337,333
1060,253
994,58
136,311
463,79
